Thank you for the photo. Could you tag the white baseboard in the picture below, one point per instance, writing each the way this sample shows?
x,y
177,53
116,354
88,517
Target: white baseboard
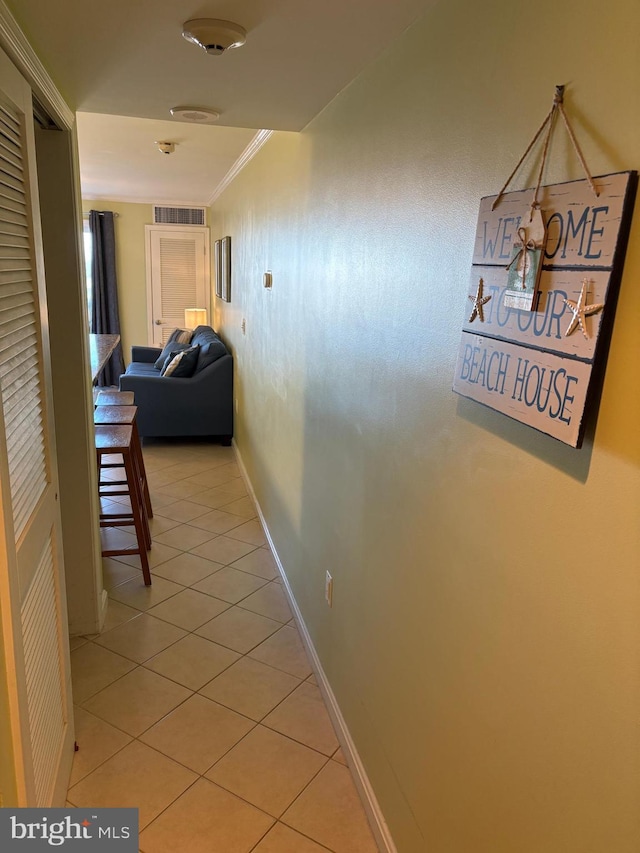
x,y
372,809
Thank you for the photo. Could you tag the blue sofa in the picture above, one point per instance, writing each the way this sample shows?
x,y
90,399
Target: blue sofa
x,y
200,405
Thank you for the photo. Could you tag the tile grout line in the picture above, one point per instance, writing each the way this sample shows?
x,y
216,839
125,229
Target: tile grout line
x,y
196,692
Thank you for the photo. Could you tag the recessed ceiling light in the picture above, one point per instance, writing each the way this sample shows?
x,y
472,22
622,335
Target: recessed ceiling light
x,y
165,147
213,35
199,115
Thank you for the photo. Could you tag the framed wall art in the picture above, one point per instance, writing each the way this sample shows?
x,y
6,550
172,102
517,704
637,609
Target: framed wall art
x,y
536,365
217,265
225,263
546,270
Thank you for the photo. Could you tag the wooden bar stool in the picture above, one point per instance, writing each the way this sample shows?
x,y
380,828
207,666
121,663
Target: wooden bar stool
x,y
127,415
115,398
118,439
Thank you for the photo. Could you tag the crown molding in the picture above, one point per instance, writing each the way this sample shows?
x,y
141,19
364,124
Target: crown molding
x,y
143,200
248,154
14,43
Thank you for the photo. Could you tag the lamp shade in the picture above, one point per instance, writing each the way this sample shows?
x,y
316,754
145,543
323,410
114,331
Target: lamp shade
x,y
195,317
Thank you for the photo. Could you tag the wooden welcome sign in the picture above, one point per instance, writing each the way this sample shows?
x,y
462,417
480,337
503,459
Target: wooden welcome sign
x,y
536,365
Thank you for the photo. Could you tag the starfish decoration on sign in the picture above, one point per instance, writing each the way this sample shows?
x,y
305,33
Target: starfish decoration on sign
x,y
581,310
478,301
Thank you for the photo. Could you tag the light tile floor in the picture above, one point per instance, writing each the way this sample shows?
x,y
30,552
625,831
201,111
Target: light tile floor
x,y
197,703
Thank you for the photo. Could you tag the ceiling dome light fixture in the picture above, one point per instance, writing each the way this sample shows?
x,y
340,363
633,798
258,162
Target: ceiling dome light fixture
x,y
165,147
197,115
213,35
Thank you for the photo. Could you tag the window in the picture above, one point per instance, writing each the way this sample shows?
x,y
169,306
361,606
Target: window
x,y
88,255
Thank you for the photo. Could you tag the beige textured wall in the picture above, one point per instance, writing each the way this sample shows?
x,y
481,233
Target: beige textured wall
x,y
131,269
485,635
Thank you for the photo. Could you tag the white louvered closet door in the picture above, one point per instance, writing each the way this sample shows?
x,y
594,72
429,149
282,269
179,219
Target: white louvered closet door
x,y
32,598
178,277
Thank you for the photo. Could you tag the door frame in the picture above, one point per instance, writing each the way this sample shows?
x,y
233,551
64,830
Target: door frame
x,y
149,229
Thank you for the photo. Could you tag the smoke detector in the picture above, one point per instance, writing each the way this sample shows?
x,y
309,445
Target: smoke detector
x,y
199,115
166,147
213,35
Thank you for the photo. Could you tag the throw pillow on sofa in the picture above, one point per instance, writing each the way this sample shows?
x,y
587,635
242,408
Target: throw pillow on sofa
x,y
181,364
178,340
181,336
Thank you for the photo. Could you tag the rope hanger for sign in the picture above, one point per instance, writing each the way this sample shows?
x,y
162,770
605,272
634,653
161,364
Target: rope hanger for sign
x,y
548,123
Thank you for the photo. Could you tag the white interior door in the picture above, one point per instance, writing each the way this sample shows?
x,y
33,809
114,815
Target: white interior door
x,y
36,674
177,277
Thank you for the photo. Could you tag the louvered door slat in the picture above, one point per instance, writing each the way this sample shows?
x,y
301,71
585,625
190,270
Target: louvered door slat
x,y
15,231
13,400
17,310
10,182
11,170
22,449
12,129
7,278
9,237
21,389
14,297
11,204
13,217
12,193
43,674
11,343
178,276
9,118
21,406
25,420
16,286
10,146
28,499
10,152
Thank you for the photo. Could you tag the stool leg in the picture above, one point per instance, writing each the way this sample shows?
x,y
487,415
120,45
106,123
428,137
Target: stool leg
x,y
139,521
137,449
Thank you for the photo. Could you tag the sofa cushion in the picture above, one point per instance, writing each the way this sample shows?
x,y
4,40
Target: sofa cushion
x,y
142,368
181,364
169,347
209,353
211,347
203,334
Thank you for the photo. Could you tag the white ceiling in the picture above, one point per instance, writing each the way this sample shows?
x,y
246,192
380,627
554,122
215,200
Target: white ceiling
x,y
127,58
120,161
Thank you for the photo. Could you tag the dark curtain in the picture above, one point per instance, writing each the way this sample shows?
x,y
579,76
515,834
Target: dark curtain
x,y
105,319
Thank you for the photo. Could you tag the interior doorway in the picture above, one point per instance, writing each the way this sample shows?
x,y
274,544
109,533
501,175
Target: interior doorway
x,y
177,277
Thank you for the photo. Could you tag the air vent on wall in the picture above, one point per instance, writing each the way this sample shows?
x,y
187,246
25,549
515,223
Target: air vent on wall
x,y
178,215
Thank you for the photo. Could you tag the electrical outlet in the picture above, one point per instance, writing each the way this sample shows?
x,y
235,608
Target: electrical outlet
x,y
244,326
328,589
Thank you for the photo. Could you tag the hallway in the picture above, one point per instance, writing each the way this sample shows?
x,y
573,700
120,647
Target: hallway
x,y
197,703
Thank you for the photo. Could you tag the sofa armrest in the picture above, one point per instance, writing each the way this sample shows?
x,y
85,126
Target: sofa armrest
x,y
145,354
